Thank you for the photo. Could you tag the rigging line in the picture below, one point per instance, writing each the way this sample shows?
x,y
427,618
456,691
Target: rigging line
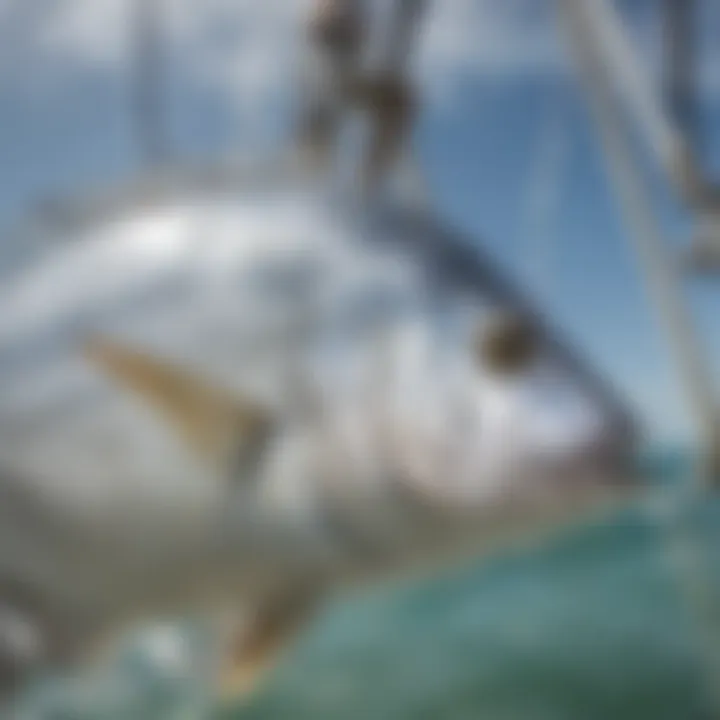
x,y
681,64
667,143
404,38
347,80
148,120
544,195
388,98
661,275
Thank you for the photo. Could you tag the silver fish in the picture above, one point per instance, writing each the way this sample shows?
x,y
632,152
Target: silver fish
x,y
239,402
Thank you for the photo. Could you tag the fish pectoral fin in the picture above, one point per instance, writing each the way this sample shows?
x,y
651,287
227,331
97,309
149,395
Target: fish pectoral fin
x,y
256,648
209,420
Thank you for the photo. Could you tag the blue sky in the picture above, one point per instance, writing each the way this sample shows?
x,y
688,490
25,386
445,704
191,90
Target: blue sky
x,y
485,169
504,132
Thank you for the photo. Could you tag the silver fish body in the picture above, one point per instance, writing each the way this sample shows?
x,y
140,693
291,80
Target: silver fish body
x,y
355,325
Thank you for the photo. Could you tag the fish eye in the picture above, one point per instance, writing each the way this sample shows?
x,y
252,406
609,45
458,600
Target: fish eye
x,y
507,344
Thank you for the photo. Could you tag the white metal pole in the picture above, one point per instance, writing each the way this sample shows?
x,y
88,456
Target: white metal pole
x,y
667,143
149,130
688,546
663,281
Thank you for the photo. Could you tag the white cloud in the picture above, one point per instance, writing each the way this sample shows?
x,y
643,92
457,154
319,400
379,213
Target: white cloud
x,y
249,48
247,53
487,37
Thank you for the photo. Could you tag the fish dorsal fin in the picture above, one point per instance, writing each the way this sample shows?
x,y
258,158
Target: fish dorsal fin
x,y
212,422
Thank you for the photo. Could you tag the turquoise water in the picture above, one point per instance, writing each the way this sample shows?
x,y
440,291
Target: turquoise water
x,y
593,624
591,627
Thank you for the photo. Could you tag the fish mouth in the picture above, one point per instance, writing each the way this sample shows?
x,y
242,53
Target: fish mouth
x,y
580,487
602,490
580,499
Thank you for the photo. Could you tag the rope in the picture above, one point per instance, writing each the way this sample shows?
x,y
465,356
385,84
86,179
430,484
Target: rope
x,y
339,35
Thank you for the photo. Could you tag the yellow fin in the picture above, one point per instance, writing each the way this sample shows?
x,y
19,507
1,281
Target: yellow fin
x,y
258,647
208,419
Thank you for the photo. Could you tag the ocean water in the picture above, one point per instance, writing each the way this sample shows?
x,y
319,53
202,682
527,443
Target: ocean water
x,y
595,623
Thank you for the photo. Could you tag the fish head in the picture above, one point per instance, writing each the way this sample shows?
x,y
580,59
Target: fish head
x,y
515,442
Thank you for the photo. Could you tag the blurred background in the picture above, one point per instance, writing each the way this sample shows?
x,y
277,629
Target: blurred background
x,y
596,624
